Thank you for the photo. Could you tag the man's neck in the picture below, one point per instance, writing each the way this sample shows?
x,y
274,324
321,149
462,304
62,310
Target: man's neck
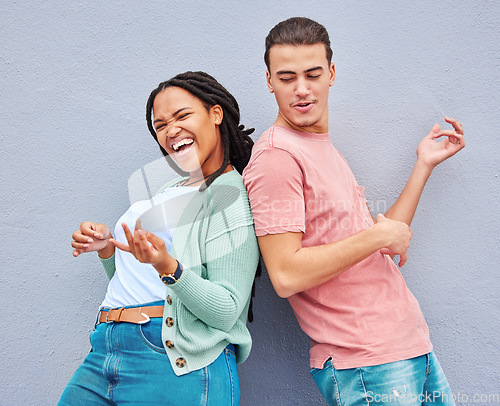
x,y
319,127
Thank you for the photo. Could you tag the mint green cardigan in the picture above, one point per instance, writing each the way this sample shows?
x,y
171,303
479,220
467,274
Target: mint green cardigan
x,y
216,244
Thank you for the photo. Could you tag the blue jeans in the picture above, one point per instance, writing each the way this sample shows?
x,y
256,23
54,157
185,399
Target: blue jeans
x,y
129,366
416,381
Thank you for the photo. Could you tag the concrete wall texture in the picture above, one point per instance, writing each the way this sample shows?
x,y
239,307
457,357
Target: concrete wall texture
x,y
74,79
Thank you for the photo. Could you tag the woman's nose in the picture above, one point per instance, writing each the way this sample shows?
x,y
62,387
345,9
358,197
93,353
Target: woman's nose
x,y
172,131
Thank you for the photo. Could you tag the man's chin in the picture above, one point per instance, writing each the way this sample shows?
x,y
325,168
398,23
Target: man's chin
x,y
304,125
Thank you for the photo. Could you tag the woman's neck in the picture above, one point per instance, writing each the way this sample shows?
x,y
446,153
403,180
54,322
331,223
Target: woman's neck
x,y
198,177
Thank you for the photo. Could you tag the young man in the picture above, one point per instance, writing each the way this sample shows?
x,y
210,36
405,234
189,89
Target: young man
x,y
324,251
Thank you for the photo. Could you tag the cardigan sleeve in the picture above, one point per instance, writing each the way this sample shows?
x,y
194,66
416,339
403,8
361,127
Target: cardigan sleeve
x,y
219,300
109,265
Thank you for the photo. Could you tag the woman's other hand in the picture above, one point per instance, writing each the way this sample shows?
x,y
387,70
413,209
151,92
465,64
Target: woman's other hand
x,y
92,237
147,248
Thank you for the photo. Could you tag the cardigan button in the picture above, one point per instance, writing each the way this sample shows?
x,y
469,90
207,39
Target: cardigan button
x,y
180,362
169,321
169,299
169,344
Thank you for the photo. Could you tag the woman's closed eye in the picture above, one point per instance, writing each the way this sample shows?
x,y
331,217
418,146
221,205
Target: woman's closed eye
x,y
183,116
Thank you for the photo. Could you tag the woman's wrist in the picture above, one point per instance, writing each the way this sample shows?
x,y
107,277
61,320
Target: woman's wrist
x,y
166,267
107,251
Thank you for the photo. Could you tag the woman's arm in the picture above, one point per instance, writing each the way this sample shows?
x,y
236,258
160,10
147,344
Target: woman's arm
x,y
95,237
232,260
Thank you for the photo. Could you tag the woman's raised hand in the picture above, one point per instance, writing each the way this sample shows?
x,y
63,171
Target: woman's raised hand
x,y
147,248
91,237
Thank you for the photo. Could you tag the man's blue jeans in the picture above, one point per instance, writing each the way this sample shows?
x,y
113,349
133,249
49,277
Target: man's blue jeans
x,y
417,381
128,366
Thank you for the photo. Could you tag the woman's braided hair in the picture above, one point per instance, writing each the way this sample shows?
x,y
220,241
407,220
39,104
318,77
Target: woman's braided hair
x,y
235,138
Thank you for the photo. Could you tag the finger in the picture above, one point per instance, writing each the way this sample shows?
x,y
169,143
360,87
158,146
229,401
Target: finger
x,y
138,224
380,217
456,124
434,130
402,259
457,139
453,136
120,245
101,235
444,133
385,251
142,245
87,228
128,234
79,237
156,241
76,253
102,231
79,246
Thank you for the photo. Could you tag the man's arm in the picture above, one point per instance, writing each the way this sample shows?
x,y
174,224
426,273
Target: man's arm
x,y
430,153
293,268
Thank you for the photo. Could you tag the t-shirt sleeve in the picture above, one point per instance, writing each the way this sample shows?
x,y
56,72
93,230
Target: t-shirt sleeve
x,y
275,183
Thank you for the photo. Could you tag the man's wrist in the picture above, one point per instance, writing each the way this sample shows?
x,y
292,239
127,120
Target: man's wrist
x,y
379,235
423,167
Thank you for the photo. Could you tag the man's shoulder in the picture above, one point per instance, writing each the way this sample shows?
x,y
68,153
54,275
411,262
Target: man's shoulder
x,y
277,137
275,143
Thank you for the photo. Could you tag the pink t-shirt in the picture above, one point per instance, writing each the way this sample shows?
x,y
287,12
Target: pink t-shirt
x,y
298,182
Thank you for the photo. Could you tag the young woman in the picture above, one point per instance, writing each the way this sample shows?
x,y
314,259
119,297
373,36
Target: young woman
x,y
172,325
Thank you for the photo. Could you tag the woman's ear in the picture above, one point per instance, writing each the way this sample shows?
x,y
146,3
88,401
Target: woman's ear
x,y
217,113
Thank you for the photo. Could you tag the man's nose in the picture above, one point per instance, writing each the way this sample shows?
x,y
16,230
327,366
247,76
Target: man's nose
x,y
302,88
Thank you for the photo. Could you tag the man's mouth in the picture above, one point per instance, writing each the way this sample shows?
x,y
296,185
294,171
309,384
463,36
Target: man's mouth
x,y
303,106
182,144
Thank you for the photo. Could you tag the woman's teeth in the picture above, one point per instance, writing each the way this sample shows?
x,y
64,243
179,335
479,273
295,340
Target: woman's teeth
x,y
181,143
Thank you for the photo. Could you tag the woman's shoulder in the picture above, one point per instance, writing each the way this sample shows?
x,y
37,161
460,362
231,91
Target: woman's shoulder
x,y
229,178
228,186
228,195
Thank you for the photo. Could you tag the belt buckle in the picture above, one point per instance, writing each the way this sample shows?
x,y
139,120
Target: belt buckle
x,y
107,314
146,320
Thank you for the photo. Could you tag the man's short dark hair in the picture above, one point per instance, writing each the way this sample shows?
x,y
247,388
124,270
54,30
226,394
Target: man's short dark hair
x,y
298,31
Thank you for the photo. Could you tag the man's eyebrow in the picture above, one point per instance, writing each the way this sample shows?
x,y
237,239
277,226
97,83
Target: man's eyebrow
x,y
291,72
173,115
313,69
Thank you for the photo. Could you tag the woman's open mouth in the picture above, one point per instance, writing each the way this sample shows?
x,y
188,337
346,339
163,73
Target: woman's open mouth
x,y
182,146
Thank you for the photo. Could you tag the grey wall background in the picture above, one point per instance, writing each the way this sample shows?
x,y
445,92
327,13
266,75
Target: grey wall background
x,y
74,79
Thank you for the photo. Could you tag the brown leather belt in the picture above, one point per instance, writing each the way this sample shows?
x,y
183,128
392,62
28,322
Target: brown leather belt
x,y
136,315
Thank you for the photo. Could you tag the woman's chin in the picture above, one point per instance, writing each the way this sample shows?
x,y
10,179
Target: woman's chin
x,y
190,166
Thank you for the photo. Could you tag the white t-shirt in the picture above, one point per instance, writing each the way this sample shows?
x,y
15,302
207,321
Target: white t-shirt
x,y
134,282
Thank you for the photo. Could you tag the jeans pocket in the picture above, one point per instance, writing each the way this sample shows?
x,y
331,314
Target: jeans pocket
x,y
327,383
96,336
230,357
326,365
150,334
